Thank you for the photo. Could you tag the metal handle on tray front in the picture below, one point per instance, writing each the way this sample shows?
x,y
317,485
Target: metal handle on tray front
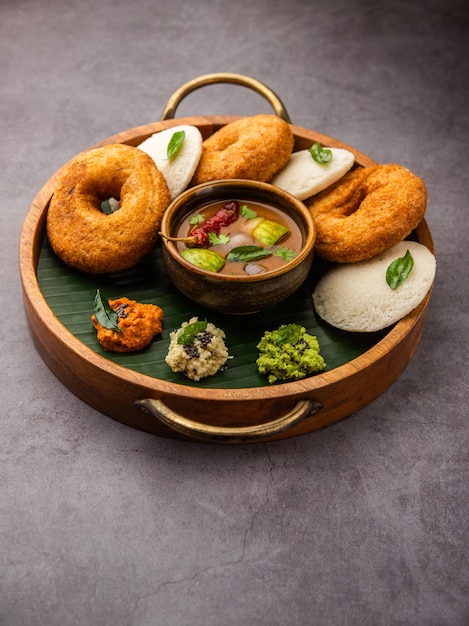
x,y
224,77
225,434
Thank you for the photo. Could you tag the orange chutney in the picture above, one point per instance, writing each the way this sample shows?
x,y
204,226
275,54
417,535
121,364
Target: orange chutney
x,y
138,324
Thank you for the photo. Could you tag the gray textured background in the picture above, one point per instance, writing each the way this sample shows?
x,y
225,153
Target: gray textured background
x,y
364,523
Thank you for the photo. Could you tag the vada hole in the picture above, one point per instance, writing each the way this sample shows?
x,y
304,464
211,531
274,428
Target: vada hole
x,y
352,206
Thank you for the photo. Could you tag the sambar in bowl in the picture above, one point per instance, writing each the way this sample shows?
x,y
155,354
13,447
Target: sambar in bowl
x,y
237,246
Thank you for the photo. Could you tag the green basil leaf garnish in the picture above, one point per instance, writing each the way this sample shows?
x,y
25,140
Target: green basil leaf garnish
x,y
105,315
187,335
321,155
399,270
247,253
288,333
175,144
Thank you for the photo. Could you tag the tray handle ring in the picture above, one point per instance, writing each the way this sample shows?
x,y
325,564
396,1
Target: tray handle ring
x,y
224,77
226,434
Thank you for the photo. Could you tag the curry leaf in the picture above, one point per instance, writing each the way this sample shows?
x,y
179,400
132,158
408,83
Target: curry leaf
x,y
105,315
247,253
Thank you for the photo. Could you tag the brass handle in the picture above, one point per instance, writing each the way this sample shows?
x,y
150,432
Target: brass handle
x,y
224,77
224,434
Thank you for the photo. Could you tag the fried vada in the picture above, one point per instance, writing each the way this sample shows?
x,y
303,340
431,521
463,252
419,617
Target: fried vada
x,y
366,212
88,239
252,148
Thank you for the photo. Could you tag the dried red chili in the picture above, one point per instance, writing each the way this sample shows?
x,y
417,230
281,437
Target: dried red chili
x,y
225,216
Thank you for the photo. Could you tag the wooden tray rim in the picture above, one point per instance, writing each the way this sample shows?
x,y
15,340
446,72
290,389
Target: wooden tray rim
x,y
32,236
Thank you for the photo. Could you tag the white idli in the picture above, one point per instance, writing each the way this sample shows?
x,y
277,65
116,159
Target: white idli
x,y
178,171
356,297
303,177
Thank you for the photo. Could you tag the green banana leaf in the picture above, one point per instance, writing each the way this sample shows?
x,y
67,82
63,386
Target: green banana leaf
x,y
70,295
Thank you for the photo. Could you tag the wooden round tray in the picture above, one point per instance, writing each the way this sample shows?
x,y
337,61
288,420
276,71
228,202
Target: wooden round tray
x,y
222,415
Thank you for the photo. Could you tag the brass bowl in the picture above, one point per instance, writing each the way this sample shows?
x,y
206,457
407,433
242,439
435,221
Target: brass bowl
x,y
237,294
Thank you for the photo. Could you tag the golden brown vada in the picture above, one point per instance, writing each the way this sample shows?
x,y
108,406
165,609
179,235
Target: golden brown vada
x,y
366,212
252,148
88,239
